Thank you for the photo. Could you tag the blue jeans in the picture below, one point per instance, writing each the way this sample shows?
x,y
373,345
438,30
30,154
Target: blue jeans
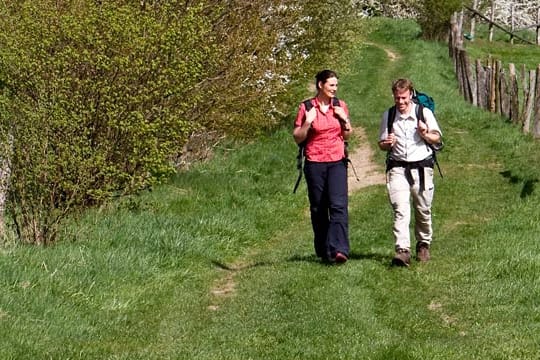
x,y
328,198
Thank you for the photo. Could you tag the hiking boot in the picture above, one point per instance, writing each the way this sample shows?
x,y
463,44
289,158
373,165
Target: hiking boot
x,y
422,251
341,258
402,258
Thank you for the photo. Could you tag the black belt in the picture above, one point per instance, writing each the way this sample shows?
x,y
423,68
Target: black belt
x,y
428,162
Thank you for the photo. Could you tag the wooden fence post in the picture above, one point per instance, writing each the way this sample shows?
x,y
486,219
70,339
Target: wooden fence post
x,y
512,7
529,80
504,107
492,86
488,89
481,99
451,36
469,93
538,26
536,123
514,96
459,72
465,80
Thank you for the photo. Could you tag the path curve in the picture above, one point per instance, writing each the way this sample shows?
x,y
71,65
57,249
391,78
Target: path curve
x,y
369,172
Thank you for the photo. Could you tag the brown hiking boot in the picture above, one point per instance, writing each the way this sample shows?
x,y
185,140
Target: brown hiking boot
x,y
422,252
402,258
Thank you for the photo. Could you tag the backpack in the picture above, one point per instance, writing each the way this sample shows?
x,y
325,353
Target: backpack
x,y
422,100
301,147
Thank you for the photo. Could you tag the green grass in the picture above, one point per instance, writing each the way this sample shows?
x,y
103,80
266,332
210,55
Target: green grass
x,y
140,279
500,48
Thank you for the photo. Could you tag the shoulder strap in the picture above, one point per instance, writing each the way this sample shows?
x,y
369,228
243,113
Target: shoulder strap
x,y
420,117
392,115
308,104
420,112
391,118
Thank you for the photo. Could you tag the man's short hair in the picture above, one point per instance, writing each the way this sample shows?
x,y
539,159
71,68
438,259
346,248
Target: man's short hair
x,y
402,84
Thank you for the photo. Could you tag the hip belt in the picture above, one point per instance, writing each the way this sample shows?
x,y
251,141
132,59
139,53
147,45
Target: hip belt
x,y
428,162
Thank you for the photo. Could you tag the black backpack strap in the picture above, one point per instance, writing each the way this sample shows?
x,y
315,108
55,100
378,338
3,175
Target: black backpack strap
x,y
391,115
299,164
390,119
420,117
308,104
420,113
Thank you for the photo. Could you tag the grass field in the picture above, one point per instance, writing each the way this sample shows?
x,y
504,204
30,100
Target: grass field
x,y
218,263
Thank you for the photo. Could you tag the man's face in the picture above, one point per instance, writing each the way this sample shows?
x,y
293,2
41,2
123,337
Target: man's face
x,y
402,99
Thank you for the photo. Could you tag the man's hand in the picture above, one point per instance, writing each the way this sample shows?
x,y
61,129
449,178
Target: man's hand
x,y
389,142
422,129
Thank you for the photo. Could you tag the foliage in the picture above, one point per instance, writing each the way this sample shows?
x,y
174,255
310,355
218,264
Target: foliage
x,y
434,17
265,47
400,9
99,97
520,13
95,97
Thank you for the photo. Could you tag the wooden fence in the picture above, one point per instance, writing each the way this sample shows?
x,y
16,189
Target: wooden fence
x,y
487,84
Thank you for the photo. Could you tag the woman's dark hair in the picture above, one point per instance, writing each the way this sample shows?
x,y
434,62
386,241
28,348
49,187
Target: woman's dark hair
x,y
324,75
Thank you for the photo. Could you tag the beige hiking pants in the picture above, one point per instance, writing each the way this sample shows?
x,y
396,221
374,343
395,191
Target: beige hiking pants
x,y
400,193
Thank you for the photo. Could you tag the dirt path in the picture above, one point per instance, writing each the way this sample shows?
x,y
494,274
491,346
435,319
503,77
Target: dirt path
x,y
369,172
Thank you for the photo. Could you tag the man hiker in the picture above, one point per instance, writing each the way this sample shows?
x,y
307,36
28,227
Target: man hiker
x,y
409,169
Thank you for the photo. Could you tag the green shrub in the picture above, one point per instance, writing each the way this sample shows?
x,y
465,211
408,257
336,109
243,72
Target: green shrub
x,y
96,97
434,17
99,97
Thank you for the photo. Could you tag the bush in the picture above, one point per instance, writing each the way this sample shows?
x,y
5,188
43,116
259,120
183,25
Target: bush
x,y
434,17
95,97
99,97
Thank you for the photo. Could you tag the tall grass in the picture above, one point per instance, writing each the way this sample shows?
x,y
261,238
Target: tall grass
x,y
218,263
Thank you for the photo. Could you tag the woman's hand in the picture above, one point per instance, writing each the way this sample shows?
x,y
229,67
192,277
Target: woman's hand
x,y
338,110
311,115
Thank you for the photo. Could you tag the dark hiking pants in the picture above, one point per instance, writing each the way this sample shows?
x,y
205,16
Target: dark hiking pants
x,y
328,198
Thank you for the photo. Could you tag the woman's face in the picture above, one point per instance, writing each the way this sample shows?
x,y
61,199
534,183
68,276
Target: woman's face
x,y
328,88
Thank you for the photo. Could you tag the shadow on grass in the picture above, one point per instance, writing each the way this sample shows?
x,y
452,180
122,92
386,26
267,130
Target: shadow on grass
x,y
353,256
528,184
307,258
